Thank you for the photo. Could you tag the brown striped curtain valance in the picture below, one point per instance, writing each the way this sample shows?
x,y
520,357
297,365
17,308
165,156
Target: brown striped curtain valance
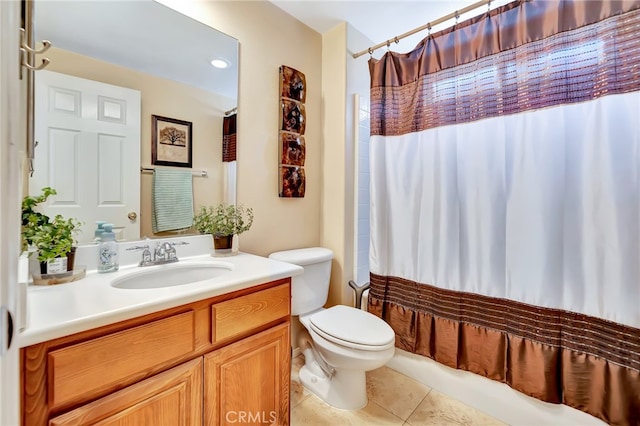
x,y
457,76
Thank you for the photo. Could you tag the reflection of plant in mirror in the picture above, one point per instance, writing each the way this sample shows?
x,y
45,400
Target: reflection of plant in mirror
x,y
223,220
52,238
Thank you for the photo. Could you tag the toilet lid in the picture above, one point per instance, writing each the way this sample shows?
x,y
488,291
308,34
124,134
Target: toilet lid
x,y
353,327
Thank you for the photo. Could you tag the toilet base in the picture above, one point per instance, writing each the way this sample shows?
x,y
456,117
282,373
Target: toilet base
x,y
347,389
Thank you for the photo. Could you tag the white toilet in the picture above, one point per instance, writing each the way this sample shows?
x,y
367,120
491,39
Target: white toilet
x,y
345,342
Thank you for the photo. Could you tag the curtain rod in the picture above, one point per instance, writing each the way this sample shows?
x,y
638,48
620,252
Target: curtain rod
x,y
201,173
428,26
231,111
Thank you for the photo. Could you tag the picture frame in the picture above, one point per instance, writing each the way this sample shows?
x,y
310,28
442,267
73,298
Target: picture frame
x,y
171,142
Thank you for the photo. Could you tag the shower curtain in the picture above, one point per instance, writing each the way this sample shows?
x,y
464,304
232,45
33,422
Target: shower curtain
x,y
505,200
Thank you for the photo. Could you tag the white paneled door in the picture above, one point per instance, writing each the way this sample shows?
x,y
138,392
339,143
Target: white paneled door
x,y
88,150
12,139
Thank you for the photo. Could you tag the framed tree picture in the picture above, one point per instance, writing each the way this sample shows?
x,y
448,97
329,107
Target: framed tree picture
x,y
171,142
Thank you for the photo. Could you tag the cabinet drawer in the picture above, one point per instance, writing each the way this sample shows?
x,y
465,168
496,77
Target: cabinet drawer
x,y
173,397
93,367
245,313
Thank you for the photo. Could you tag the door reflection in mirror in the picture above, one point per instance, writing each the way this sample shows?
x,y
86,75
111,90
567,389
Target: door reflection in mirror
x,y
127,44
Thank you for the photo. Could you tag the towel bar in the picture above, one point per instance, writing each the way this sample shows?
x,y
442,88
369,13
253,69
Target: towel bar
x,y
201,173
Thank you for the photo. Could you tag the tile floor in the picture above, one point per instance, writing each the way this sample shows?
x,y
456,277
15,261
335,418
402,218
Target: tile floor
x,y
394,399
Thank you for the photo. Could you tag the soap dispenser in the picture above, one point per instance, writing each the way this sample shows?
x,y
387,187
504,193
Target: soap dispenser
x,y
108,250
97,234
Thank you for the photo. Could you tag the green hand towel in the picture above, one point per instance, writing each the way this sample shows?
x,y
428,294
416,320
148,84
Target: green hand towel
x,y
172,199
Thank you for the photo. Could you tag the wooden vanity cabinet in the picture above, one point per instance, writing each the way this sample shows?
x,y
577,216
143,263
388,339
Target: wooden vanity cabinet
x,y
217,361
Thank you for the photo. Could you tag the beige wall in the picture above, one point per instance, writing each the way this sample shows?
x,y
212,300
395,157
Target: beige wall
x,y
269,38
342,77
335,205
167,98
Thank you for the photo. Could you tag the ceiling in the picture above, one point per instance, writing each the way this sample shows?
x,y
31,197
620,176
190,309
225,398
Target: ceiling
x,y
379,20
101,28
143,35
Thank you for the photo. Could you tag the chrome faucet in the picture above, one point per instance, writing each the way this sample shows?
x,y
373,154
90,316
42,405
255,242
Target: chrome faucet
x,y
164,252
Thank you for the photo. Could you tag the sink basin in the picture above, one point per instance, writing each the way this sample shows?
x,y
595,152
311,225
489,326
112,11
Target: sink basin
x,y
171,275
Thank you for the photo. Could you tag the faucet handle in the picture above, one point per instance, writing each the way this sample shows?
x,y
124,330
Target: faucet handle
x,y
146,254
171,254
146,257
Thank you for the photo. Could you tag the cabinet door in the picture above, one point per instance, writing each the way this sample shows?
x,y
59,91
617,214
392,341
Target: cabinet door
x,y
247,382
173,397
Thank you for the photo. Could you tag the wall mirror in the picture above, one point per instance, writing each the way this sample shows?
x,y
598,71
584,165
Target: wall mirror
x,y
133,47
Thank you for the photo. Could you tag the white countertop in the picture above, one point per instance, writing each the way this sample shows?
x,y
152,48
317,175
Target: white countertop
x,y
64,309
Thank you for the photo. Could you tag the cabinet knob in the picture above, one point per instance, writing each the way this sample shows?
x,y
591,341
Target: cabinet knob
x,y
132,215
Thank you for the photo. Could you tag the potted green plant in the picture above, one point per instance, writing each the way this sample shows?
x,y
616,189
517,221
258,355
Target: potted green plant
x,y
52,238
223,222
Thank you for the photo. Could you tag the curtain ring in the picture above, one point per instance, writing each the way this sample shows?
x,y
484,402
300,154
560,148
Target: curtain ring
x,y
457,17
428,29
489,6
388,45
396,40
370,52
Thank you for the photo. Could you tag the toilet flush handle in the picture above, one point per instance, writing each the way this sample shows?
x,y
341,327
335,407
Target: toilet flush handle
x,y
359,290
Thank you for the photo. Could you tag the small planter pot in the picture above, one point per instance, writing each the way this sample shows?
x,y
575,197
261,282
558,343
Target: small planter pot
x,y
54,266
71,257
222,245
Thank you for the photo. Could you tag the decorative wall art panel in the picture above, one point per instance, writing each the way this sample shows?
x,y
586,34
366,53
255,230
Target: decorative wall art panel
x,y
292,149
293,116
292,181
293,84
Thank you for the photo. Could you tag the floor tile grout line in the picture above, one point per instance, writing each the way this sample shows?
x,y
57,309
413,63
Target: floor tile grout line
x,y
420,384
417,405
384,409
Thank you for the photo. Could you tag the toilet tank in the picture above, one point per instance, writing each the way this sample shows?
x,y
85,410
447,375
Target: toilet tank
x,y
310,290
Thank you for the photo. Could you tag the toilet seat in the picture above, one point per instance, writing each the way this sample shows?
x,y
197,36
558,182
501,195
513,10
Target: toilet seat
x,y
354,328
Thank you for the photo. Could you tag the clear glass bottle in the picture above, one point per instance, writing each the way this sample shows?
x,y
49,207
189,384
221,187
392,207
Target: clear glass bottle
x,y
108,250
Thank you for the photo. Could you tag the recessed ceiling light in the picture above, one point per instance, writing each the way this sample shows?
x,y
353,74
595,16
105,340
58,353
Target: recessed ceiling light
x,y
220,63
